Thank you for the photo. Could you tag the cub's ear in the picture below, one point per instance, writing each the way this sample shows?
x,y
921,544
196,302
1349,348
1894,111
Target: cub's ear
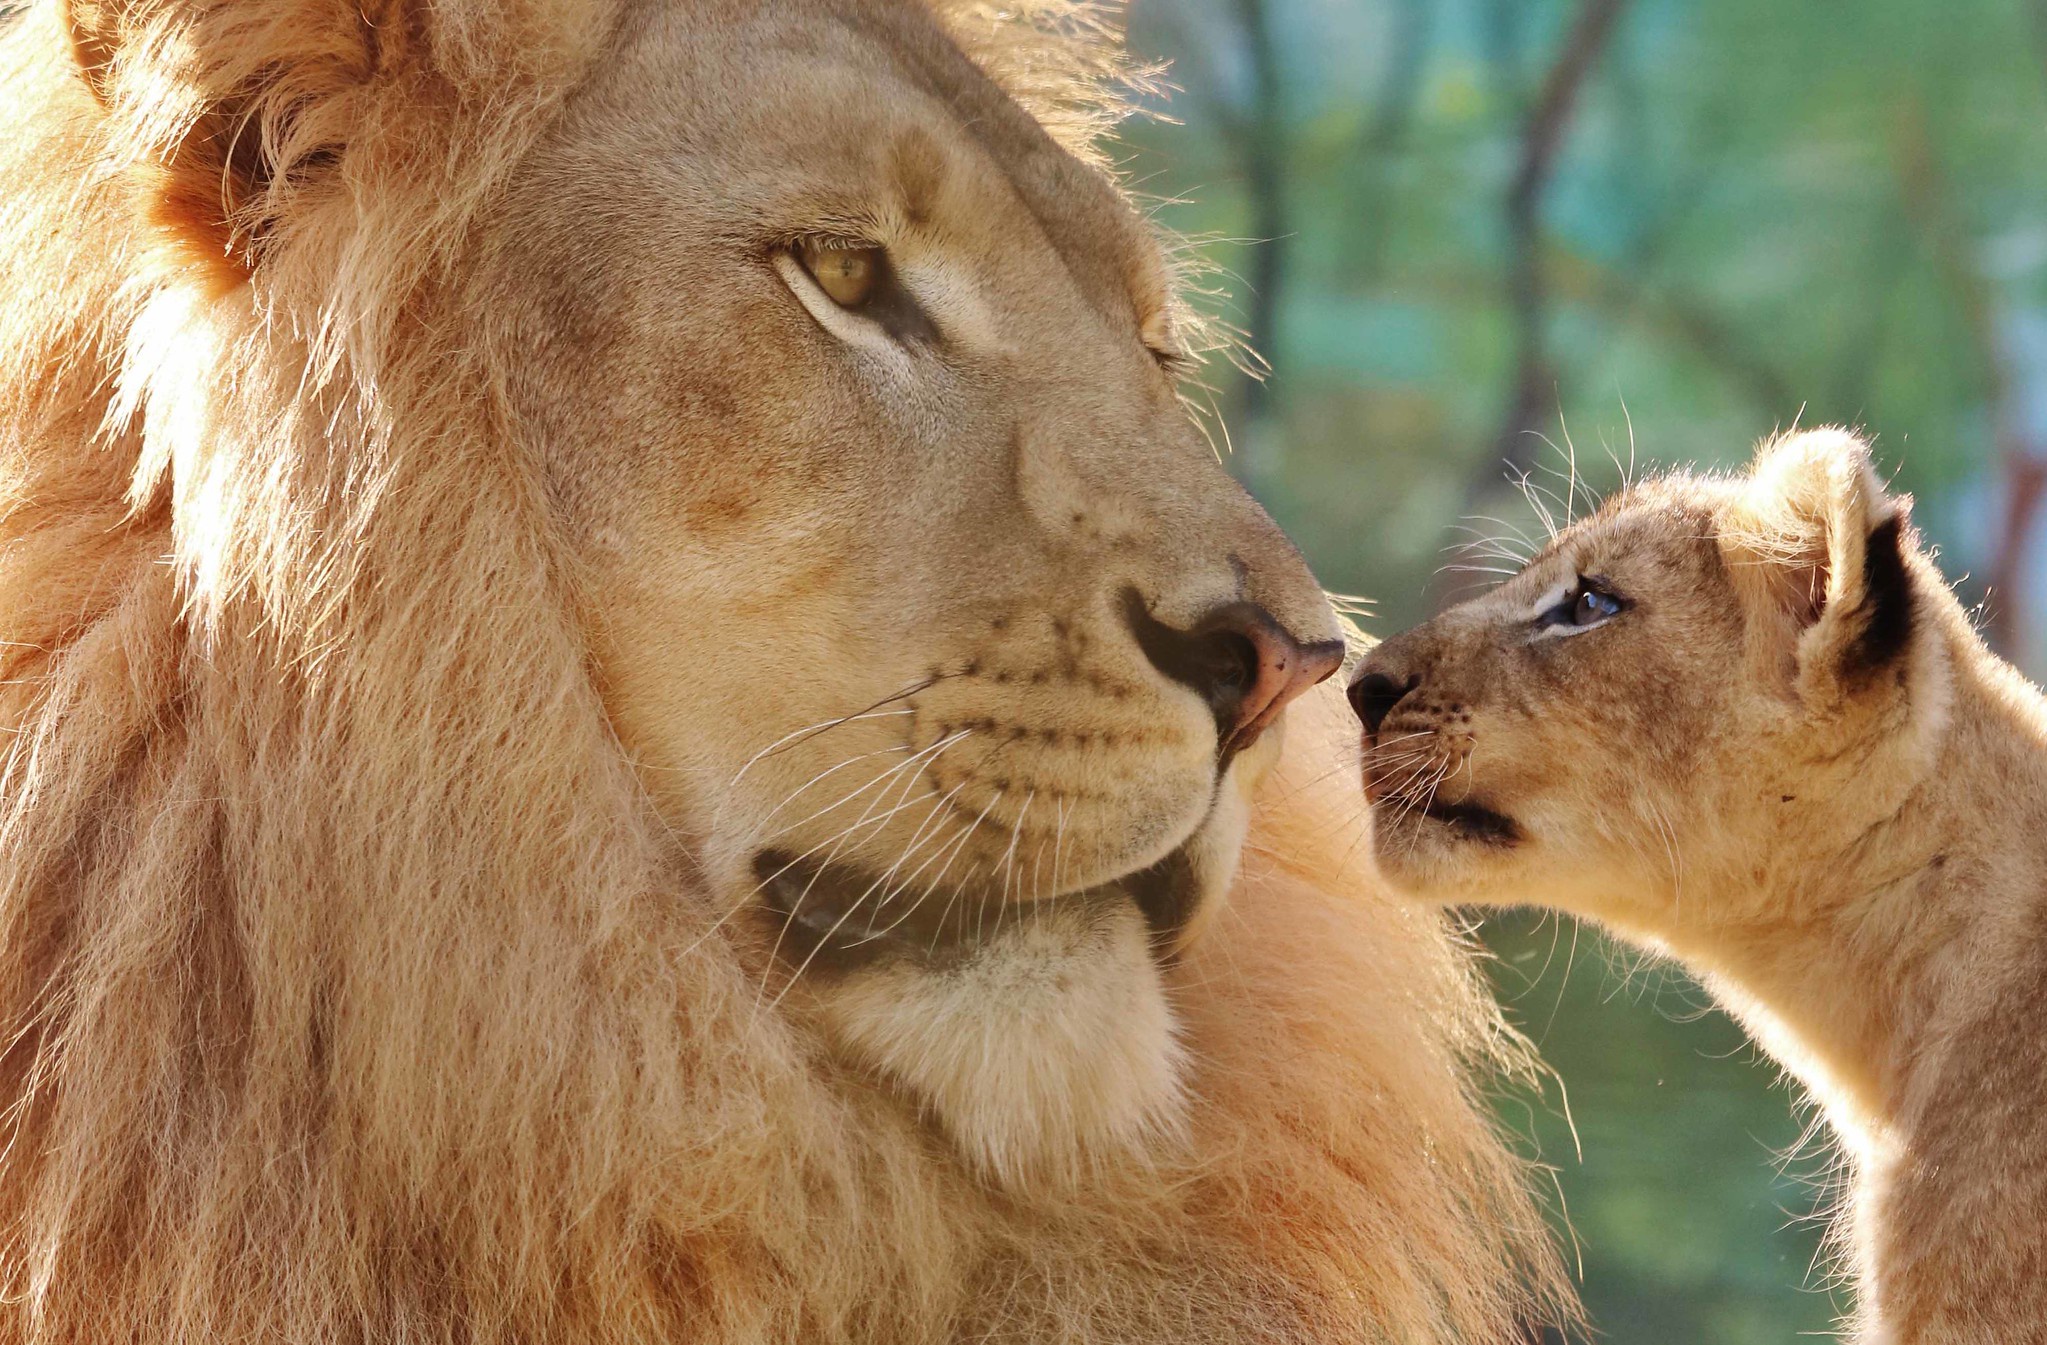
x,y
1817,548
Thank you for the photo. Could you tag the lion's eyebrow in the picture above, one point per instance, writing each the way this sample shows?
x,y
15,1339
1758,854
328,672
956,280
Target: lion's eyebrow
x,y
918,170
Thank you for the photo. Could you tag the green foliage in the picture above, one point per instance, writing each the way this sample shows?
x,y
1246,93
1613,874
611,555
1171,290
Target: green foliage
x,y
1757,213
1757,217
1695,1193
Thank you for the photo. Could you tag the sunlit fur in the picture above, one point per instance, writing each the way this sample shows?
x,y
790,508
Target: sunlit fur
x,y
1792,764
359,985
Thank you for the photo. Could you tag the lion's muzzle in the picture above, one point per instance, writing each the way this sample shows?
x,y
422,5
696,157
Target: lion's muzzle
x,y
1238,658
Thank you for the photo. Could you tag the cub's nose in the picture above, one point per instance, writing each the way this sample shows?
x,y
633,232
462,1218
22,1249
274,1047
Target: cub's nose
x,y
1373,694
1383,680
1239,659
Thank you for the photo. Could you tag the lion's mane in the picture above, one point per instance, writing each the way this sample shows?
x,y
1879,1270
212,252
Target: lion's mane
x,y
350,988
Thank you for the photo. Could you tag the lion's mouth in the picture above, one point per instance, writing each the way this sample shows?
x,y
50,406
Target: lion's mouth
x,y
842,917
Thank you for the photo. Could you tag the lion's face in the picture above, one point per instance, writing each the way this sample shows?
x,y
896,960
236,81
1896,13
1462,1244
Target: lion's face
x,y
1691,679
913,591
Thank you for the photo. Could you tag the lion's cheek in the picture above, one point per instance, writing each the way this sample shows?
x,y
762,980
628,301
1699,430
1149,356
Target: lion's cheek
x,y
1049,1051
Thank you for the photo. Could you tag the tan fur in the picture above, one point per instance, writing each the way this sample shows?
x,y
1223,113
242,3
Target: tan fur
x,y
1791,763
443,545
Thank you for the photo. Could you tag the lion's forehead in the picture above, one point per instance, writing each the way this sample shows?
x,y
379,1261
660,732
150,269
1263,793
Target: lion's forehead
x,y
879,124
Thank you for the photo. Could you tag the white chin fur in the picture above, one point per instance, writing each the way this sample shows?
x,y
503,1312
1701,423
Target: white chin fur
x,y
1051,1052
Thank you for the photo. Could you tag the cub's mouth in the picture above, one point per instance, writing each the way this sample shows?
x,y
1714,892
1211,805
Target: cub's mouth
x,y
1467,819
1472,821
837,917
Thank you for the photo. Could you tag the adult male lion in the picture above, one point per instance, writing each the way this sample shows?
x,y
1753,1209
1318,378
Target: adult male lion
x,y
625,685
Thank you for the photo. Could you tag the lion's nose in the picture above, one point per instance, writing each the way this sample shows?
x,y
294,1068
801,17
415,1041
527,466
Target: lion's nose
x,y
1239,658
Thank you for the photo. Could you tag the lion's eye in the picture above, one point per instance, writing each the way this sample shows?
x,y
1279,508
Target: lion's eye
x,y
1156,331
854,291
848,275
1174,362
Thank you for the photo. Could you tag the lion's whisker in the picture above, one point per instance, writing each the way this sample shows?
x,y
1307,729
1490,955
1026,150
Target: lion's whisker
x,y
1015,836
793,862
819,778
789,740
797,736
950,853
818,947
959,890
1059,849
793,738
910,848
949,848
903,765
932,752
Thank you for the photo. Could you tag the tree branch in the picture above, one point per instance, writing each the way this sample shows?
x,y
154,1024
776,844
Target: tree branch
x,y
1925,192
1263,149
1542,136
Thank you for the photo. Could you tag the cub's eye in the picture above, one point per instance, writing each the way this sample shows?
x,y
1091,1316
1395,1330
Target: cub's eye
x,y
848,275
1589,603
1593,607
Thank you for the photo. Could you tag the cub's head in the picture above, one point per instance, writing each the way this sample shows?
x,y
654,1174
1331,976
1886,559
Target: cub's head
x,y
1703,678
935,628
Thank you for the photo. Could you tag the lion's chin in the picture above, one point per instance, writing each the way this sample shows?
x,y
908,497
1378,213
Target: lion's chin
x,y
1044,1043
1049,1053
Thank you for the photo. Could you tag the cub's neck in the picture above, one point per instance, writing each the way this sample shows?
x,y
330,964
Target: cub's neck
x,y
1845,962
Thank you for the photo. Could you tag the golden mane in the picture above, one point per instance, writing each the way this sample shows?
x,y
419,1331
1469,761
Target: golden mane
x,y
1062,59
352,989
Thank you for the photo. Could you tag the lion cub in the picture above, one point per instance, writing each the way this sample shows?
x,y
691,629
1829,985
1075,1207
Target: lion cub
x,y
1744,722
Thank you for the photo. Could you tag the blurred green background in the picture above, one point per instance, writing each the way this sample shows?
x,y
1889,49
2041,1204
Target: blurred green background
x,y
1478,239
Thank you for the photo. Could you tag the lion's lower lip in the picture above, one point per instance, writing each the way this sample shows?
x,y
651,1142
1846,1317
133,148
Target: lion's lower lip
x,y
1167,893
839,917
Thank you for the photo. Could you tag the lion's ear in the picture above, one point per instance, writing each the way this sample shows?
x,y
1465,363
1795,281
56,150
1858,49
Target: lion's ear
x,y
94,26
1818,546
245,121
231,112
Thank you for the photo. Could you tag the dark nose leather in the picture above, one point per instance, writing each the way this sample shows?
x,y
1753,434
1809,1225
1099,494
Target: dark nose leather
x,y
1239,659
1381,682
1374,694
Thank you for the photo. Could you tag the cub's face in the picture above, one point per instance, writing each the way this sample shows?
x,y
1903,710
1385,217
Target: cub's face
x,y
912,589
1705,677
1557,726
